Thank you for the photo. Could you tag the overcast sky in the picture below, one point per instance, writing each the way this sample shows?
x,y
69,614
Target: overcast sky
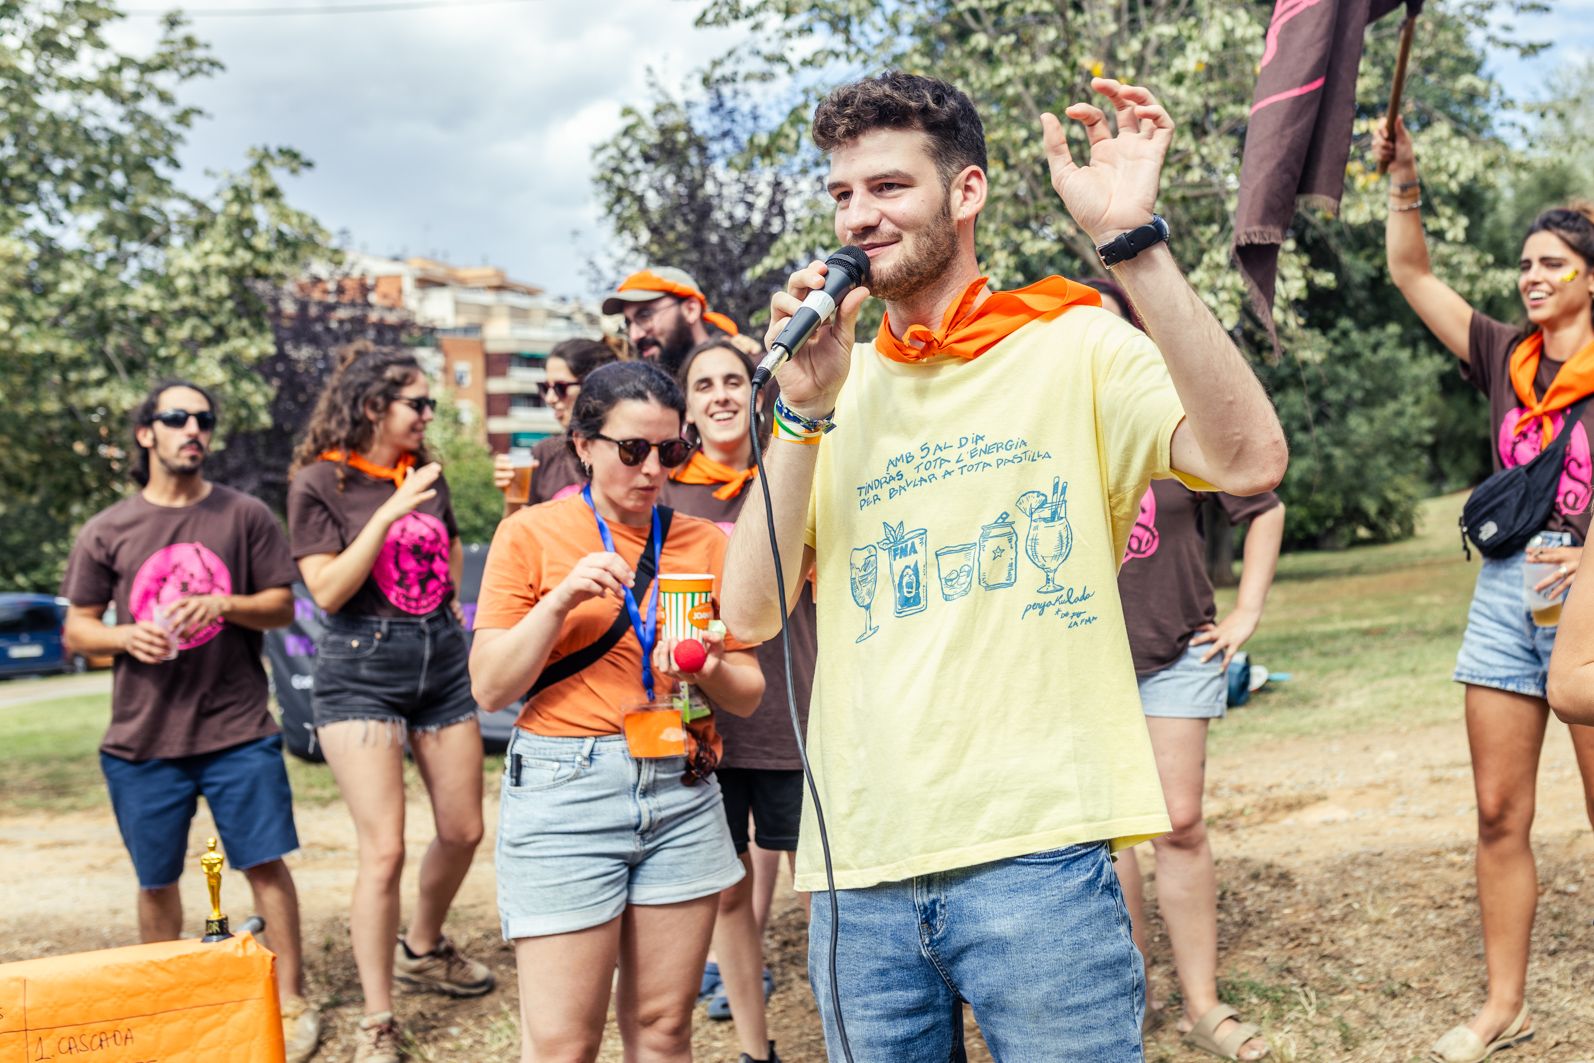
x,y
465,131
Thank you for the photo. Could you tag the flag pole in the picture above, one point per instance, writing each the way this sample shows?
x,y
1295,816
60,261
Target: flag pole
x,y
1407,29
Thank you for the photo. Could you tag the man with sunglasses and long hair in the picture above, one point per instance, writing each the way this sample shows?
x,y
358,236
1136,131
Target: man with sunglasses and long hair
x,y
197,572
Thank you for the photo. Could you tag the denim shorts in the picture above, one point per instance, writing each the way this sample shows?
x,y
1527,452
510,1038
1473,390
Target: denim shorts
x,y
1503,648
402,671
1187,689
246,787
1038,945
585,830
772,798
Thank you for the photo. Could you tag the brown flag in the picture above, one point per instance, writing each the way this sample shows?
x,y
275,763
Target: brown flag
x,y
1299,135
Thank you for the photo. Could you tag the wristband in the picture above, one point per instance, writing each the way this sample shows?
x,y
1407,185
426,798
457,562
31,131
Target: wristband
x,y
1127,245
1407,186
794,427
1413,205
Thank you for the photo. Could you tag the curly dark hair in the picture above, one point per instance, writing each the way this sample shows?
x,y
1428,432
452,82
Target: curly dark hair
x,y
898,100
361,389
144,414
583,356
609,385
1574,224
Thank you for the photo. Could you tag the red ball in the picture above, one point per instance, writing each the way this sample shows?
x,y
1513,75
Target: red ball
x,y
690,656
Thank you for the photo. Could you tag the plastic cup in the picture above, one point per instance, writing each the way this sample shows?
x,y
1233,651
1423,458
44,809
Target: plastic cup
x,y
520,467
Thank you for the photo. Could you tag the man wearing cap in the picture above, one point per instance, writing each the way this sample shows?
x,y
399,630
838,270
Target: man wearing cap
x,y
666,314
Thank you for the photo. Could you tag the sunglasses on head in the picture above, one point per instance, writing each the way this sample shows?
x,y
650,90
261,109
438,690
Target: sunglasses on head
x,y
419,404
179,419
562,389
635,451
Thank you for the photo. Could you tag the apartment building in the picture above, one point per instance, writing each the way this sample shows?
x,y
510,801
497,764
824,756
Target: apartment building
x,y
493,334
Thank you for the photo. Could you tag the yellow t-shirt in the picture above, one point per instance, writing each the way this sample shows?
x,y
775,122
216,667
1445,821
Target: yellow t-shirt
x,y
975,698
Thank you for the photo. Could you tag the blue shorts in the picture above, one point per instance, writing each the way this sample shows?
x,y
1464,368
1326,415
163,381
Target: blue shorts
x,y
1038,945
246,787
412,672
1503,648
584,830
1187,689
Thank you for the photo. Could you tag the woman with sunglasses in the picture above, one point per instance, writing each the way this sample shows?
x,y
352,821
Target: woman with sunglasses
x,y
555,472
375,537
612,844
760,774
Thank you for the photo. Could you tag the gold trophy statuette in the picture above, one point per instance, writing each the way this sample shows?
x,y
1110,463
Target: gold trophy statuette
x,y
216,925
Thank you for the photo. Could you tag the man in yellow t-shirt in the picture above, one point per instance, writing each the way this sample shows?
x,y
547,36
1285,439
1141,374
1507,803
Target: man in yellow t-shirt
x,y
975,734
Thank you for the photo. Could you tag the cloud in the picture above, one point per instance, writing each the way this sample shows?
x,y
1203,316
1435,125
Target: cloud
x,y
464,131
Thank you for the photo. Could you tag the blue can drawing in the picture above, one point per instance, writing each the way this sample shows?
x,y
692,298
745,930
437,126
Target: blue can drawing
x,y
998,554
905,549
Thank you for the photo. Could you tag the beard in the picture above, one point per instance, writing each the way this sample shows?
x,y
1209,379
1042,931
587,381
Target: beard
x,y
922,263
181,464
669,349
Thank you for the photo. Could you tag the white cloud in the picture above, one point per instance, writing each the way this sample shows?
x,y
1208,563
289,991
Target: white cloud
x,y
461,131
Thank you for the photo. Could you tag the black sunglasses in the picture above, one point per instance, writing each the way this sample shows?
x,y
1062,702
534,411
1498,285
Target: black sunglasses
x,y
418,404
179,419
635,451
562,389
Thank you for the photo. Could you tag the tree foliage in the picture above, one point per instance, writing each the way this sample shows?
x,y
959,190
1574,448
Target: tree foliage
x,y
1343,324
111,275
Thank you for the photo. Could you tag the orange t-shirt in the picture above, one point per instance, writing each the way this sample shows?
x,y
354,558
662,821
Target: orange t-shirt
x,y
532,553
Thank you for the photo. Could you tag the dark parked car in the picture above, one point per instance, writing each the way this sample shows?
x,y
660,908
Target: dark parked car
x,y
30,636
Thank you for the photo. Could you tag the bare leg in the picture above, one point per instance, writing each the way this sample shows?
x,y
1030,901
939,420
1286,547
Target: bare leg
x,y
367,760
662,948
738,942
1583,746
763,873
1506,733
277,901
160,914
450,762
564,993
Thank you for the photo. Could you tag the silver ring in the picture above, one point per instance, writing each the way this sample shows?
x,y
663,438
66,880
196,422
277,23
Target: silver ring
x,y
1563,571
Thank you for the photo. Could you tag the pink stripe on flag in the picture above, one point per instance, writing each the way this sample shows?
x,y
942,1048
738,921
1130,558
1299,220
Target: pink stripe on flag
x,y
1289,94
1286,10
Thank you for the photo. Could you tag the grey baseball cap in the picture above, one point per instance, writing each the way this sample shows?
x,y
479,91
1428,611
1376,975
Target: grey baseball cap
x,y
636,288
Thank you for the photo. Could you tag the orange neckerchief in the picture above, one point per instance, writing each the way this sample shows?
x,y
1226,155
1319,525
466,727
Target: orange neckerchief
x,y
397,473
703,469
1574,380
647,281
968,331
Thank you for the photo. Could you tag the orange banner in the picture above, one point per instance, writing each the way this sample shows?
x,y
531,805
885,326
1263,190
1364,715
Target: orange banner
x,y
172,1002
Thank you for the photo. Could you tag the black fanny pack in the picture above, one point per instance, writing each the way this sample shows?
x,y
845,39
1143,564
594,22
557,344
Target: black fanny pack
x,y
1513,505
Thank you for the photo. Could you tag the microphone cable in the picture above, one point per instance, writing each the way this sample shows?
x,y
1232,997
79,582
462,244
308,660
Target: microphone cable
x,y
797,727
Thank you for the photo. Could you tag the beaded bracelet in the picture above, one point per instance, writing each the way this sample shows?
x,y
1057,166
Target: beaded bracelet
x,y
795,428
1409,206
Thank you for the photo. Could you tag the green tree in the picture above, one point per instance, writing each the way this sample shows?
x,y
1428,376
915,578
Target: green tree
x,y
456,439
111,276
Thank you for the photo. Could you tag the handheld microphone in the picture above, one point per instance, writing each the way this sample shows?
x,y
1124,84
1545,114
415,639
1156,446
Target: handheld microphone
x,y
845,270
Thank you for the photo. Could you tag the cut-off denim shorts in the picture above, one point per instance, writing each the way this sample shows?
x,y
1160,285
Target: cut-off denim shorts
x,y
1187,689
1503,648
584,830
404,672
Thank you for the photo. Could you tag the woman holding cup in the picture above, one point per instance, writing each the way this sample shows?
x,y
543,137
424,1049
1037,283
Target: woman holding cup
x,y
1534,378
550,470
612,844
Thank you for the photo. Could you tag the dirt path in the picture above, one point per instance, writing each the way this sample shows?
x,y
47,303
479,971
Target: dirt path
x,y
1345,865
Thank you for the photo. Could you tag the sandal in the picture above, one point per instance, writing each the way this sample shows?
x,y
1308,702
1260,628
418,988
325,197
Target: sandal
x,y
1461,1045
1201,1035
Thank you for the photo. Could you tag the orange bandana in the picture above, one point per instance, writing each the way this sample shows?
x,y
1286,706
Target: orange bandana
x,y
703,469
1574,380
397,473
648,281
968,330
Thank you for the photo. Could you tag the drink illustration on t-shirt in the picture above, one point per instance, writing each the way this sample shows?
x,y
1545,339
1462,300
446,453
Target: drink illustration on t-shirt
x,y
905,551
1577,472
1144,537
955,567
1050,538
175,572
998,554
864,569
412,569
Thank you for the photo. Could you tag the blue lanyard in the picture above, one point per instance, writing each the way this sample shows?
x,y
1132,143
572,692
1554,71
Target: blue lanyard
x,y
647,631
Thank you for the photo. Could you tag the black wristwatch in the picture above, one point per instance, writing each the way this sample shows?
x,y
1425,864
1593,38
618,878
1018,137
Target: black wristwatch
x,y
1127,245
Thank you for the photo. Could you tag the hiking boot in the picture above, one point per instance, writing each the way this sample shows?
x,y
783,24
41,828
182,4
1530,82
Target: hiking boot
x,y
301,1028
443,970
770,1058
377,1040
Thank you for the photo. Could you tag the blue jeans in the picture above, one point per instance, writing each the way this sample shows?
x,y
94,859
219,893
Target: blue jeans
x,y
1038,945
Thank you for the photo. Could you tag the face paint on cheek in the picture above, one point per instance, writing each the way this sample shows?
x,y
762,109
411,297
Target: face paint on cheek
x,y
1568,277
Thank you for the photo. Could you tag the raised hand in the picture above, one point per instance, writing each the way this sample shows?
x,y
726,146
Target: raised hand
x,y
1397,153
811,380
416,490
1117,188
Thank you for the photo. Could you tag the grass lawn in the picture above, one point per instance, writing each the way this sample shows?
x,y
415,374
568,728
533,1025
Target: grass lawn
x,y
1369,635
